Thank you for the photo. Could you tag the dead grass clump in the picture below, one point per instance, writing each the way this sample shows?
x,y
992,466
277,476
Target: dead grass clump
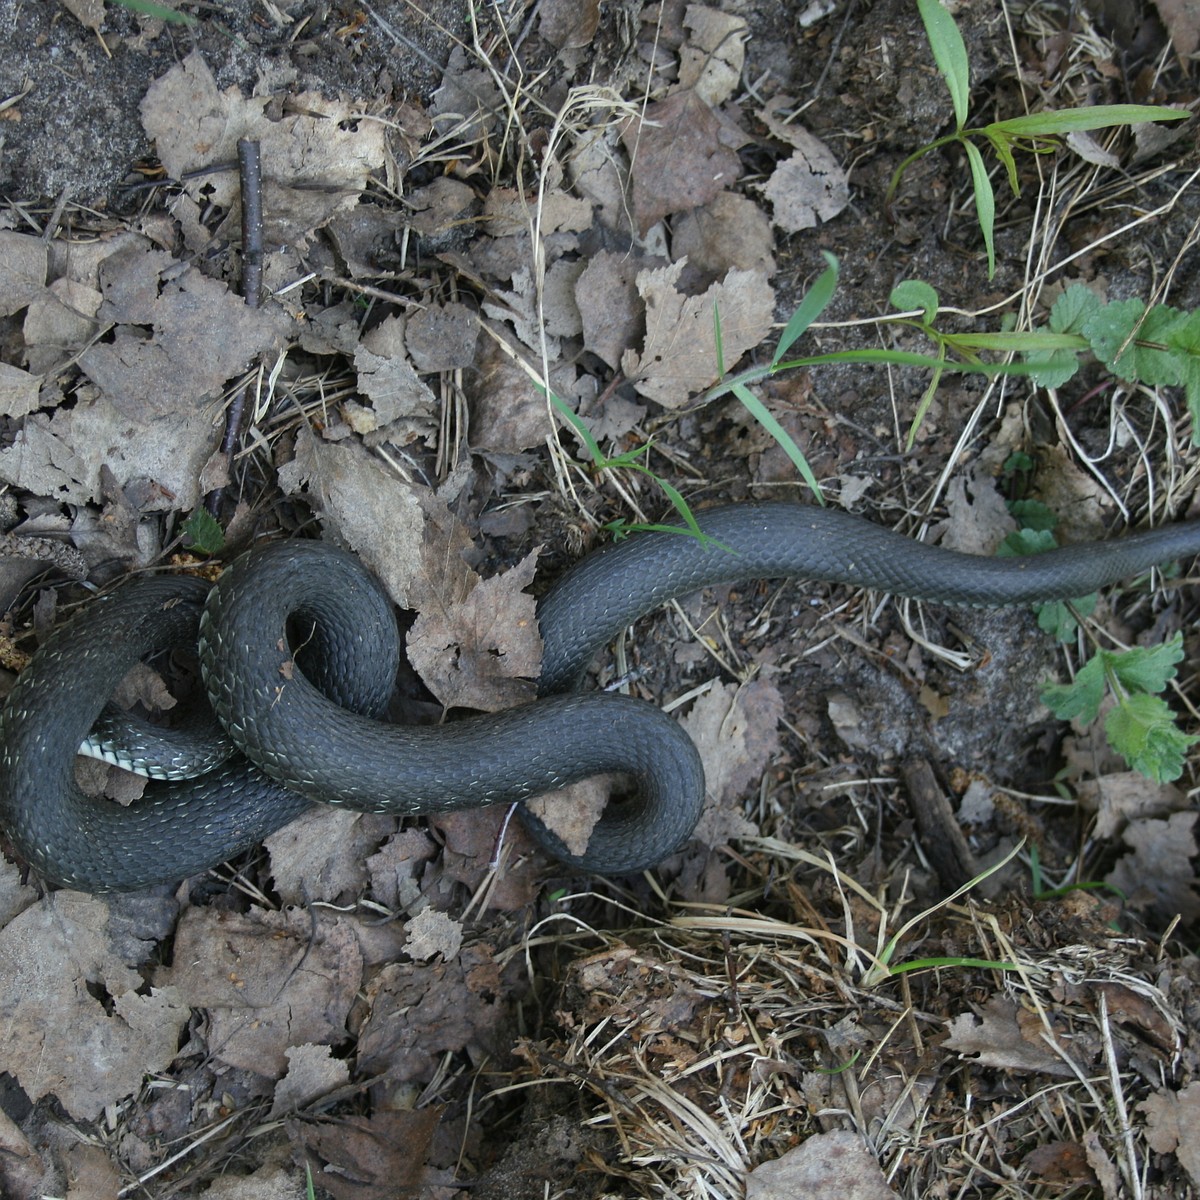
x,y
724,1039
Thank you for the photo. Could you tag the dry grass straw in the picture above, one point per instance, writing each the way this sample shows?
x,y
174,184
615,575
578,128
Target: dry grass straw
x,y
722,1038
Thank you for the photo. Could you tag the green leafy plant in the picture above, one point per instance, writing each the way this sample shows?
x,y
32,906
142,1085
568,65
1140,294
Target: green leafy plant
x,y
203,533
1157,346
1140,726
1036,132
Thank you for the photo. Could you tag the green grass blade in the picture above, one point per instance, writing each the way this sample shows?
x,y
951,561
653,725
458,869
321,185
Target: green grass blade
x,y
950,54
985,202
1079,120
160,11
581,430
1005,155
809,309
755,407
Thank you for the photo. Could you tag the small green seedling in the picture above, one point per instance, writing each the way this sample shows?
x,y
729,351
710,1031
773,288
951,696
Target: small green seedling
x,y
1036,132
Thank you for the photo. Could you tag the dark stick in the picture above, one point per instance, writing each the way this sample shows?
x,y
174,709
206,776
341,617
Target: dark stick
x,y
250,172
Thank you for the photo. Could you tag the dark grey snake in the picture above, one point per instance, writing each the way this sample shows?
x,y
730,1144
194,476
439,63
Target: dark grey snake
x,y
310,727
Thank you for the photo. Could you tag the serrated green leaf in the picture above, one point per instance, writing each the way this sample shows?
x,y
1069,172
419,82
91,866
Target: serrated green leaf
x,y
204,532
1146,357
1142,730
915,293
1022,542
1079,120
985,202
1184,343
1056,619
1146,668
950,54
810,308
1033,514
1067,315
1081,697
1109,328
1072,309
1052,368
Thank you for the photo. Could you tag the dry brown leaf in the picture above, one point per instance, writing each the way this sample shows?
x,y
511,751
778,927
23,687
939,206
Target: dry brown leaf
x,y
997,1037
572,812
312,1072
568,24
834,1166
431,932
321,856
711,59
678,158
379,516
381,1157
1059,1163
508,414
202,335
1157,875
315,159
596,169
1123,796
395,868
680,355
736,728
484,651
159,460
520,310
418,1011
612,312
979,517
508,212
18,391
59,1038
58,322
472,839
468,100
442,337
1182,20
808,188
1173,1126
732,231
400,402
270,980
22,270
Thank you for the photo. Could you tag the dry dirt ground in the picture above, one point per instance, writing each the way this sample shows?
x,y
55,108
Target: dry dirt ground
x,y
461,205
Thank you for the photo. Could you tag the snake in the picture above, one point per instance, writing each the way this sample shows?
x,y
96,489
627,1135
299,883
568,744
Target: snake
x,y
298,650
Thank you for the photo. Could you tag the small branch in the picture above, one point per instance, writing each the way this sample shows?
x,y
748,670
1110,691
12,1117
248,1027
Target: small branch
x,y
250,173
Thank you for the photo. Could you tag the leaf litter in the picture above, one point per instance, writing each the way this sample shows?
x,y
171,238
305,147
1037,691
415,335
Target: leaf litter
x,y
338,999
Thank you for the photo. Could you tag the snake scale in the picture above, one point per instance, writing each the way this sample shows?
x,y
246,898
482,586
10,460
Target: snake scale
x,y
307,723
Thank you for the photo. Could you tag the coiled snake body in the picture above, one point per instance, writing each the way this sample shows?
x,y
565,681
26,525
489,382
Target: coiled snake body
x,y
309,730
